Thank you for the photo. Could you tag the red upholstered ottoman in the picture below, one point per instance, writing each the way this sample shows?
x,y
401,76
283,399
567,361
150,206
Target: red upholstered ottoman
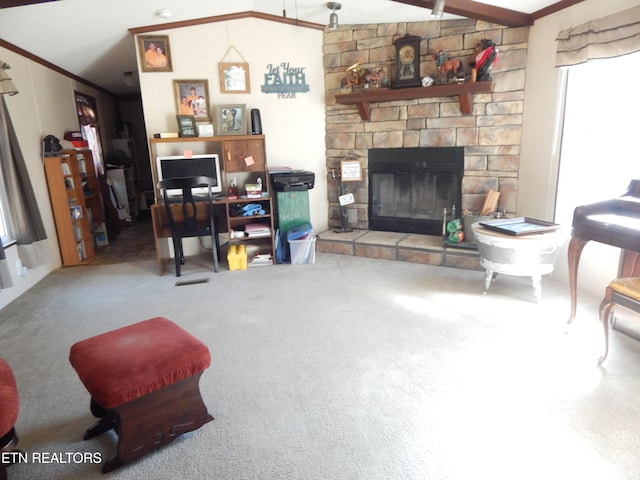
x,y
9,406
144,383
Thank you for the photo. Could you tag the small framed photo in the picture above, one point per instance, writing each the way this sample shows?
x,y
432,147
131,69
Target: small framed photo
x,y
154,53
231,120
192,98
234,77
187,126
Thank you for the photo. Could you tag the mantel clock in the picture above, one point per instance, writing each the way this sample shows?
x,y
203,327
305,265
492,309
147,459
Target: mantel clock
x,y
407,62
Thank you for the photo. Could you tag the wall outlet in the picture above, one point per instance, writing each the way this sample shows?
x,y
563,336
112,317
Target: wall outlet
x,y
352,215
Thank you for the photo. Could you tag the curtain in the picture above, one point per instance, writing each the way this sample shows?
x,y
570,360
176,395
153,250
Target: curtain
x,y
6,87
607,37
24,223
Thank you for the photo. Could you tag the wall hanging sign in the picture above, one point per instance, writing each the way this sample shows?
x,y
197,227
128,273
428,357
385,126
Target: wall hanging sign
x,y
234,76
350,171
285,80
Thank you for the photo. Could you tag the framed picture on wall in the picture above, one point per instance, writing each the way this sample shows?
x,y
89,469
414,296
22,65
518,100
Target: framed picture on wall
x,y
154,53
87,109
234,77
231,120
192,98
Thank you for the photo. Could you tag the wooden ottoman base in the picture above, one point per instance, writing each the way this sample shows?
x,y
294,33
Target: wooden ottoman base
x,y
151,421
143,380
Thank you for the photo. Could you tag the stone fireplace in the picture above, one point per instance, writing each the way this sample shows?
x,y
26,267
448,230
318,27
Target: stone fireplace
x,y
488,138
411,189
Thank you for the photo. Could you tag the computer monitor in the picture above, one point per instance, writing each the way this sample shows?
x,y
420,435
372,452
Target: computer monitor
x,y
207,165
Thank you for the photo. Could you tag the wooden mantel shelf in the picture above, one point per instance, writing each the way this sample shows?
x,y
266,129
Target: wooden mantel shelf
x,y
366,96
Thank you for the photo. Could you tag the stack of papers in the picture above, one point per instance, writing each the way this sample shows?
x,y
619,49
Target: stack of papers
x,y
257,230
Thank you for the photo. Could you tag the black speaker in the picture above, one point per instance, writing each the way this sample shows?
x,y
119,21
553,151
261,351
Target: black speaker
x,y
256,124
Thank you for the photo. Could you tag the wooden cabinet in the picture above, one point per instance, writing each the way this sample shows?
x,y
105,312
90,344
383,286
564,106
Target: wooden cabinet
x,y
74,192
249,221
244,156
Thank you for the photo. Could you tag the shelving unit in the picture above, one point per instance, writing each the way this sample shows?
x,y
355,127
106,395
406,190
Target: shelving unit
x,y
125,179
243,159
464,91
74,192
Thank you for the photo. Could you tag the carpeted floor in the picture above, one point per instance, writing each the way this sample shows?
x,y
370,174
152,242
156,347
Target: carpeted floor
x,y
348,369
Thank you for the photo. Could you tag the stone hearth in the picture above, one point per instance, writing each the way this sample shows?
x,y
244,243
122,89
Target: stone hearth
x,y
407,247
490,135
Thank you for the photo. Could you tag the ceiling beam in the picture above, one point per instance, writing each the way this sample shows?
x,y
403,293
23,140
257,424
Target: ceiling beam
x,y
478,11
9,4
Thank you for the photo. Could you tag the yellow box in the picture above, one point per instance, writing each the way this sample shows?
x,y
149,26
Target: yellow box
x,y
237,257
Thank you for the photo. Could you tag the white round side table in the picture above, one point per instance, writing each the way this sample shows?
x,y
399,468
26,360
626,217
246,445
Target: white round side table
x,y
531,255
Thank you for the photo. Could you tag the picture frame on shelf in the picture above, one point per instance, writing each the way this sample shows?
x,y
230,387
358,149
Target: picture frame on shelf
x,y
154,53
187,126
231,119
205,129
192,98
234,77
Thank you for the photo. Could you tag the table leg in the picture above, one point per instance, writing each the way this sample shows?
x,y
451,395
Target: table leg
x,y
576,244
488,278
536,281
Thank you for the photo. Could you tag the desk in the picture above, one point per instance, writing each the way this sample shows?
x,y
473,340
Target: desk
x,y
531,255
224,223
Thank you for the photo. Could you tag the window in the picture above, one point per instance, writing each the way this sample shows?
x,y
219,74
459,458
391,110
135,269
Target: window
x,y
599,154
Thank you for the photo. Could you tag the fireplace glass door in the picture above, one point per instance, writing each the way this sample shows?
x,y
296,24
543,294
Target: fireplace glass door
x,y
409,189
399,200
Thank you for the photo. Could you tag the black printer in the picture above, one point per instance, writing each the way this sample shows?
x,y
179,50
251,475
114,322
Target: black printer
x,y
292,181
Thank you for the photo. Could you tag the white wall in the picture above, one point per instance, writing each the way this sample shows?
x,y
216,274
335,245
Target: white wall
x,y
45,105
294,127
540,148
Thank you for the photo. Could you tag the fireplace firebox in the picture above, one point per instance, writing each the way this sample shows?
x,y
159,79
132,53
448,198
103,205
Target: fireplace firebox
x,y
409,188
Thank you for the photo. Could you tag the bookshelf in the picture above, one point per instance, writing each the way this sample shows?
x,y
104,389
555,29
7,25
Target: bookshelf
x,y
74,192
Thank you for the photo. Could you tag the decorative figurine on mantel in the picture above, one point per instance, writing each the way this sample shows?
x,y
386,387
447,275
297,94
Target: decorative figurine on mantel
x,y
449,70
484,57
362,77
354,76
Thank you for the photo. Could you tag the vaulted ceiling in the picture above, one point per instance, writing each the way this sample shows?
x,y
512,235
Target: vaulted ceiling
x,y
92,39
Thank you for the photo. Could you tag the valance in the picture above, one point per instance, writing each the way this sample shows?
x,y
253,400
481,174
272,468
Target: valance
x,y
607,37
6,84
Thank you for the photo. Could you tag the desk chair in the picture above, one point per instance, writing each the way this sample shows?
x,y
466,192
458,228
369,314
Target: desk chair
x,y
621,292
186,214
